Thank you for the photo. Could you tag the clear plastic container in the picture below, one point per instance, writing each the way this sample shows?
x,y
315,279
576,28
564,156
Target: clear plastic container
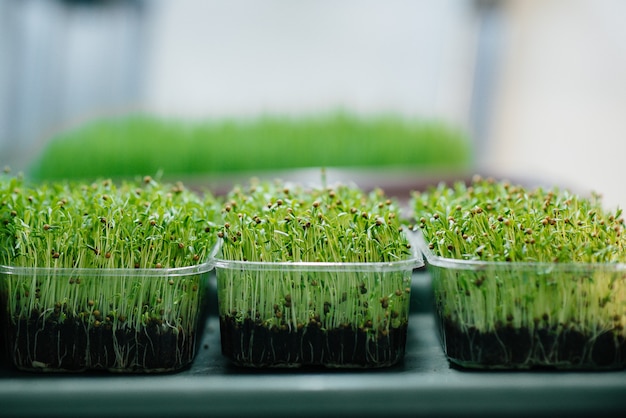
x,y
121,320
293,314
524,315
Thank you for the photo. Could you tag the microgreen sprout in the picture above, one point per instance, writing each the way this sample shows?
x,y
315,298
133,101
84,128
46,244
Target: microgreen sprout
x,y
121,263
280,234
525,277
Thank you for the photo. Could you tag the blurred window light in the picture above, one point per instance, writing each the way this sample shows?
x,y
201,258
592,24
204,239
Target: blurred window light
x,y
61,60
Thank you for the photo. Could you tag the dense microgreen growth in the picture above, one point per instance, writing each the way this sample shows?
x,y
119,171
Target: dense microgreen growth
x,y
278,223
275,223
104,225
136,144
497,221
539,281
103,258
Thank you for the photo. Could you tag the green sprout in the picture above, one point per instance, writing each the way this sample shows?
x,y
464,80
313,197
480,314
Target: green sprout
x,y
525,277
122,147
101,276
303,266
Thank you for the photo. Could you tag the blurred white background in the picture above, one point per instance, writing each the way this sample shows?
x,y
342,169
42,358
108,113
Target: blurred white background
x,y
560,101
539,84
244,57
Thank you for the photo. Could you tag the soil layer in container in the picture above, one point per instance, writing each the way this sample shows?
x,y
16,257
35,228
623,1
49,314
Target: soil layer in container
x,y
72,346
256,345
542,347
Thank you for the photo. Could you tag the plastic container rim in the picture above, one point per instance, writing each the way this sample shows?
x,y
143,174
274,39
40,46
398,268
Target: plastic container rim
x,y
126,272
458,264
318,266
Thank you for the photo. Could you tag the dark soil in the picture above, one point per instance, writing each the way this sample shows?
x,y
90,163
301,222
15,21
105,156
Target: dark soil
x,y
3,304
71,346
521,348
255,345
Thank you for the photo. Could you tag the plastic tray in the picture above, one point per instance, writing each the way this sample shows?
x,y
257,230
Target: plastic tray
x,y
294,314
423,384
121,320
522,315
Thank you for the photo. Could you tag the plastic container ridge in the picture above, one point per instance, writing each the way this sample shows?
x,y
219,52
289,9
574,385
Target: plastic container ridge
x,y
525,315
120,320
293,314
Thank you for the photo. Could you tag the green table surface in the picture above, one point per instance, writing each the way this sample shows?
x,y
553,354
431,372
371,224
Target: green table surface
x,y
424,384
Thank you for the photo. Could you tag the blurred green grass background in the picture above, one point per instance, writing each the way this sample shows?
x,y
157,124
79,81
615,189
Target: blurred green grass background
x,y
133,145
